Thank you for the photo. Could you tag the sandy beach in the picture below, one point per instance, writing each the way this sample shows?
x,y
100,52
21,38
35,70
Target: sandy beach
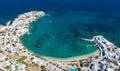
x,y
95,53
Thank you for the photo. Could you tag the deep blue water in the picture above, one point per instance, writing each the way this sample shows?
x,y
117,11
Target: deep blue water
x,y
8,7
12,7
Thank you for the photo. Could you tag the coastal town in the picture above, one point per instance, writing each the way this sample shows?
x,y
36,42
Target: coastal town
x,y
15,57
109,57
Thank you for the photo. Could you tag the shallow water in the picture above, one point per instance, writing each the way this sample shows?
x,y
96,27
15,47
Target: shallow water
x,y
59,34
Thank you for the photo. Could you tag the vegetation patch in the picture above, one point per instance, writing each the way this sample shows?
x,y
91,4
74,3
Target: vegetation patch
x,y
20,60
1,51
7,67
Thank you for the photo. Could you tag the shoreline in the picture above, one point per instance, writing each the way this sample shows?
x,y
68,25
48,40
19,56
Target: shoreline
x,y
84,56
72,58
95,53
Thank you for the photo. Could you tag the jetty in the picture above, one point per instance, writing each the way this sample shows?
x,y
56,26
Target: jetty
x,y
109,58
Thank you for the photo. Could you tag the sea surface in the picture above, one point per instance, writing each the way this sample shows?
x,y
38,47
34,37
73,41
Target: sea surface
x,y
59,33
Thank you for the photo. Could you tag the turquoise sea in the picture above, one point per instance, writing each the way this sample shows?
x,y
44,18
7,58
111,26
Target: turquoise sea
x,y
59,33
